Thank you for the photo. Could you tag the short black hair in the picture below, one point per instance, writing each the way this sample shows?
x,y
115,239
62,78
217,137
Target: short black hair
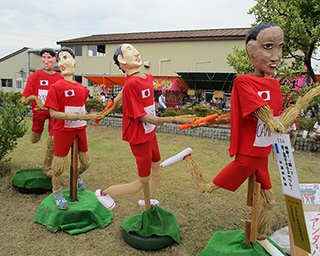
x,y
116,53
255,31
67,49
48,50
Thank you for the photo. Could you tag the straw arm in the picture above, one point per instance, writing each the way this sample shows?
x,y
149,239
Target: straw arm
x,y
264,113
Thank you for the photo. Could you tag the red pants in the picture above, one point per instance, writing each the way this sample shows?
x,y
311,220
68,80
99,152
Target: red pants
x,y
38,119
145,154
63,141
234,174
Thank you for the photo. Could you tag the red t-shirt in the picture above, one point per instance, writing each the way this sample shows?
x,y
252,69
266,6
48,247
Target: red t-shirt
x,y
38,85
68,97
137,101
249,136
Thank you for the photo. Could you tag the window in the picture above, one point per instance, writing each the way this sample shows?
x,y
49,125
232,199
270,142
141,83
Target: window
x,y
19,83
77,50
6,82
78,79
96,50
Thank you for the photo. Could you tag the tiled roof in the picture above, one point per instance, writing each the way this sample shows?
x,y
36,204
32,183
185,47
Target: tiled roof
x,y
184,35
14,53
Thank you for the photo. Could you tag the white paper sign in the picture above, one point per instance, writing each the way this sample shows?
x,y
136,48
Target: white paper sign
x,y
287,168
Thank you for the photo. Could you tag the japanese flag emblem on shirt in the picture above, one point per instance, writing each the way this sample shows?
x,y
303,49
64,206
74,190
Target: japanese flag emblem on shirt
x,y
44,82
265,95
69,93
145,93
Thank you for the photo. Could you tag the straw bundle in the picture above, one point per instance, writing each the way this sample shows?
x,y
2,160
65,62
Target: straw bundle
x,y
266,212
57,168
35,137
264,113
31,98
197,176
289,116
84,162
46,169
184,119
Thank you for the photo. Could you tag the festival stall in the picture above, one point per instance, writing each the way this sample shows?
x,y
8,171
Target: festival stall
x,y
173,85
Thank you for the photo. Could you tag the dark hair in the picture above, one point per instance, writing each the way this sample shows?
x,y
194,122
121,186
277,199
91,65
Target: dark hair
x,y
255,31
48,50
116,53
67,49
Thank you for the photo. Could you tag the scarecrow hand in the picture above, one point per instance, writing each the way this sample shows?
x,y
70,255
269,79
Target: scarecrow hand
x,y
31,98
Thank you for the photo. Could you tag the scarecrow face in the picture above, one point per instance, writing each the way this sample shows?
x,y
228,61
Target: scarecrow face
x,y
130,58
48,61
266,51
66,63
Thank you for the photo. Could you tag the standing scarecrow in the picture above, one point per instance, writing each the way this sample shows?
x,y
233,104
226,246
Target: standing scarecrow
x,y
66,102
256,104
36,92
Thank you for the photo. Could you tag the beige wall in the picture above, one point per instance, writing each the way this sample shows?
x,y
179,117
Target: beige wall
x,y
184,56
15,68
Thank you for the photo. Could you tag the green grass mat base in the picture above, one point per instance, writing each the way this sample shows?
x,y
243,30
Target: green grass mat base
x,y
231,242
31,181
83,215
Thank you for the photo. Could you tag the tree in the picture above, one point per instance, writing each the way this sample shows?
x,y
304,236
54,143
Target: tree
x,y
300,21
240,61
12,123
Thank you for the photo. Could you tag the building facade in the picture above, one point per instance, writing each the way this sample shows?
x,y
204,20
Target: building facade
x,y
163,54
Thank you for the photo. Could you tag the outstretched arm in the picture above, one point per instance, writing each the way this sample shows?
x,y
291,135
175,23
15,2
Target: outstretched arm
x,y
117,102
70,116
290,115
169,119
264,113
28,100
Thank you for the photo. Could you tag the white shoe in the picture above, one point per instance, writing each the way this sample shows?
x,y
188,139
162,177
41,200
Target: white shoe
x,y
141,202
177,158
106,200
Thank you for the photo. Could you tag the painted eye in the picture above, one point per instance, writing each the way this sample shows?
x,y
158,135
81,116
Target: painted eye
x,y
268,46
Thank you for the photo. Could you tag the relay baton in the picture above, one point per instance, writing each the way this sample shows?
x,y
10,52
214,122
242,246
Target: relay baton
x,y
97,121
199,121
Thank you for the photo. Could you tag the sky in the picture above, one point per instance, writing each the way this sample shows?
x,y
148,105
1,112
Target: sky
x,y
38,23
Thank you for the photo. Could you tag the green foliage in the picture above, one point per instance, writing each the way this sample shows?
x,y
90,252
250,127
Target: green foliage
x,y
307,123
201,111
240,61
216,111
169,112
12,123
300,21
94,104
185,111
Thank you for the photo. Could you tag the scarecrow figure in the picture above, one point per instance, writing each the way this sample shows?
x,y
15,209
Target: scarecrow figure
x,y
66,103
256,103
35,92
138,128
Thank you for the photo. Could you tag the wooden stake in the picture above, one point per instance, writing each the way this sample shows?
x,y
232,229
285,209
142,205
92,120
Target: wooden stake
x,y
146,191
253,200
74,170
